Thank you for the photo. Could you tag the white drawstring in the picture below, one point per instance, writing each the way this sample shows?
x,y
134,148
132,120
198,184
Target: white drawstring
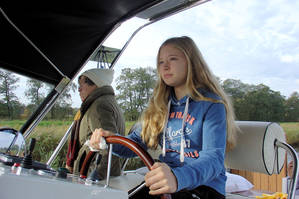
x,y
165,127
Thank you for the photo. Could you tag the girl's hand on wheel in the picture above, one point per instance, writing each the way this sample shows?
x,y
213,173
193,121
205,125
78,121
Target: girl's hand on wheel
x,y
160,179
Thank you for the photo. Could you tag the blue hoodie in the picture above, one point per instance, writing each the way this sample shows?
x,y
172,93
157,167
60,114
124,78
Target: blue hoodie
x,y
205,141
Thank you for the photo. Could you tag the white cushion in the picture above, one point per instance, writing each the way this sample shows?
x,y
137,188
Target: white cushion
x,y
236,183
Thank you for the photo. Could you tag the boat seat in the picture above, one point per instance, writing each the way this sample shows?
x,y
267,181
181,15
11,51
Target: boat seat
x,y
261,147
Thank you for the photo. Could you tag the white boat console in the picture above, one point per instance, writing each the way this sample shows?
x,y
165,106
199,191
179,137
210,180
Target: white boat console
x,y
36,184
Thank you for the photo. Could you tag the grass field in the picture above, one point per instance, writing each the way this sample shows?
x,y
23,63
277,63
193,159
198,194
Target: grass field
x,y
292,132
49,133
58,128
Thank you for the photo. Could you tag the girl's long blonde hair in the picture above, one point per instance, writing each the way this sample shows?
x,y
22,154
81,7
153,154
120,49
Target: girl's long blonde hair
x,y
198,76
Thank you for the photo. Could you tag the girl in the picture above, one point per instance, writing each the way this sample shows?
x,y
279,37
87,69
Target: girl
x,y
190,116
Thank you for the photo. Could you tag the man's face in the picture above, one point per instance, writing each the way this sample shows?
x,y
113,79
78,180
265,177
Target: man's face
x,y
84,88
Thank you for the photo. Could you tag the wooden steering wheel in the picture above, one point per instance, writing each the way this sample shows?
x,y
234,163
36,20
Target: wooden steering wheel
x,y
133,146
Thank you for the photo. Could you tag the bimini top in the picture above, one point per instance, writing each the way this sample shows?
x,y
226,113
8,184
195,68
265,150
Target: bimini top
x,y
50,40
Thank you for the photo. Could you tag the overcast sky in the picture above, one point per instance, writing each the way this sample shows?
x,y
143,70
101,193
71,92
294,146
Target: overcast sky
x,y
255,41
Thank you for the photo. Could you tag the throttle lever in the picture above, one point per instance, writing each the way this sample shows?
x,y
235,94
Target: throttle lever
x,y
27,161
31,145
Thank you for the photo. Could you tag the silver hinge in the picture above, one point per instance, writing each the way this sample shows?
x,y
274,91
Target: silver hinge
x,y
62,84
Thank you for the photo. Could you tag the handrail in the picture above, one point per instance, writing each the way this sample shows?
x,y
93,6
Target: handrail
x,y
60,145
294,177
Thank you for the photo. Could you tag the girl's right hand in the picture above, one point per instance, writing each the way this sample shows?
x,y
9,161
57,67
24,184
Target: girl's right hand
x,y
160,179
97,136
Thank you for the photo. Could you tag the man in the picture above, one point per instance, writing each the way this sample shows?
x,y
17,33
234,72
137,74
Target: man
x,y
99,109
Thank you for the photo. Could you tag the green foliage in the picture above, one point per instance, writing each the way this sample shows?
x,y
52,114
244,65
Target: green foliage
x,y
44,147
17,124
9,100
12,108
129,125
263,104
135,86
47,135
61,112
62,108
55,122
292,107
34,91
255,103
292,132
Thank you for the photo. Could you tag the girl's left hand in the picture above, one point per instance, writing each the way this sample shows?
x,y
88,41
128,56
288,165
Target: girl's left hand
x,y
160,179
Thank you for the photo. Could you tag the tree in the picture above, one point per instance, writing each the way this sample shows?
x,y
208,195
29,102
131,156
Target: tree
x,y
18,109
7,86
292,108
263,104
235,88
34,93
134,87
62,108
3,112
255,102
237,91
